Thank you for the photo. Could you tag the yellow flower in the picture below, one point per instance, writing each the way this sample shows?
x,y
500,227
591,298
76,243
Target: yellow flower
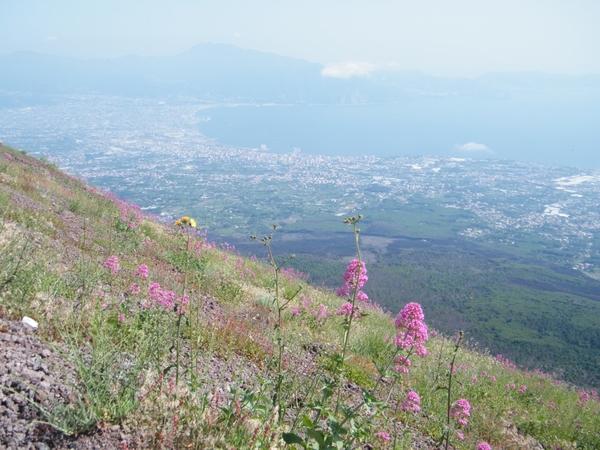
x,y
178,223
185,219
192,223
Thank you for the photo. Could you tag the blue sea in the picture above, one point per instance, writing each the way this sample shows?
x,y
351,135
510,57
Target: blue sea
x,y
558,130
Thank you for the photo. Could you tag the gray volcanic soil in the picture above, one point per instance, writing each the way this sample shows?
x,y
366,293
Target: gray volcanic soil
x,y
33,377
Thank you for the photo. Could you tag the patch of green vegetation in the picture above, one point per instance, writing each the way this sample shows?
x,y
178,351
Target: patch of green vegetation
x,y
538,317
358,370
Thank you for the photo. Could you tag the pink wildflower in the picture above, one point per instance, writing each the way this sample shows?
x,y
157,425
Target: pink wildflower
x,y
413,331
360,295
383,435
347,310
412,311
402,364
461,410
356,274
355,278
168,299
460,436
522,389
121,318
484,446
185,300
163,298
112,263
321,314
142,271
475,380
131,225
135,289
412,402
493,378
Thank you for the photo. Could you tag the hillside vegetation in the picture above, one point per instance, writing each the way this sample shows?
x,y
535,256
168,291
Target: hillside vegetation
x,y
185,344
540,315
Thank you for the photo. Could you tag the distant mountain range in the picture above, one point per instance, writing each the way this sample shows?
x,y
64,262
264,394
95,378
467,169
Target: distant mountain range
x,y
225,73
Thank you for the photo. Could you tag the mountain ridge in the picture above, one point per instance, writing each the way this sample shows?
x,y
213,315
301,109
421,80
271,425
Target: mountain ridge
x,y
223,72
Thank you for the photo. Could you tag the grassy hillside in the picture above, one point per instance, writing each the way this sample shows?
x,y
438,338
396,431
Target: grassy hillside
x,y
189,345
541,315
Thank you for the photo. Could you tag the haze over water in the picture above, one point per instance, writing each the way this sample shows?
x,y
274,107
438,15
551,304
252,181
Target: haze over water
x,y
556,132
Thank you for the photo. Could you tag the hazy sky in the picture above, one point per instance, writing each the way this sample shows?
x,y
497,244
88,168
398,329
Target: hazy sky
x,y
440,37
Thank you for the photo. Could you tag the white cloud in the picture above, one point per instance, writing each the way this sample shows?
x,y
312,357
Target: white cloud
x,y
50,38
473,147
238,34
348,69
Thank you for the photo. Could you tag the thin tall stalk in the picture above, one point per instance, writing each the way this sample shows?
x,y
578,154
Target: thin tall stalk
x,y
280,305
184,221
449,398
351,221
179,315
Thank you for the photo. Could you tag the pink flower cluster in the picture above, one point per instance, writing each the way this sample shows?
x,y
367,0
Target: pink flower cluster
x,y
412,329
383,436
228,247
584,397
484,446
412,402
294,274
157,295
402,364
319,314
112,264
461,410
129,212
355,277
135,289
347,310
142,271
506,363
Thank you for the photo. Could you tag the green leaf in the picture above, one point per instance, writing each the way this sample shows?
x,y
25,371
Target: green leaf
x,y
166,369
317,436
293,438
335,427
307,422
